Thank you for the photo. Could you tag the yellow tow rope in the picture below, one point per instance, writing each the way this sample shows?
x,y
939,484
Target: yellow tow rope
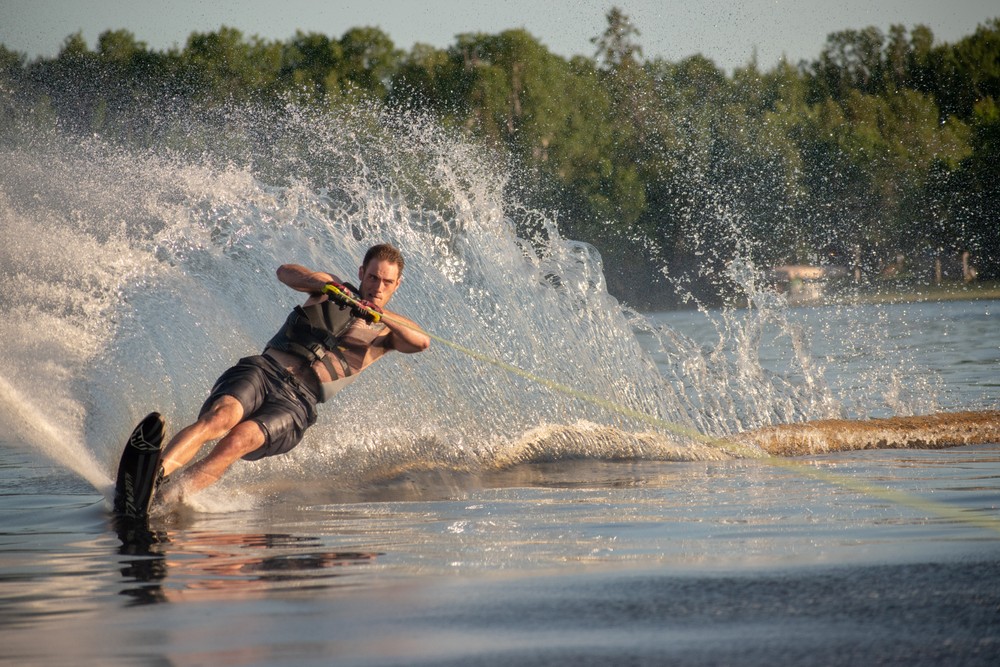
x,y
736,449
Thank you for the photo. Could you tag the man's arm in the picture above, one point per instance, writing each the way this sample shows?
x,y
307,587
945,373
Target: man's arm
x,y
304,280
404,334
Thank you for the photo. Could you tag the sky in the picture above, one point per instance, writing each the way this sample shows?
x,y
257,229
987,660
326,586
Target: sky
x,y
729,33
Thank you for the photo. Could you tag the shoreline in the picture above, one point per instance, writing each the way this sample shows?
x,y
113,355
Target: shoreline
x,y
914,294
868,295
877,295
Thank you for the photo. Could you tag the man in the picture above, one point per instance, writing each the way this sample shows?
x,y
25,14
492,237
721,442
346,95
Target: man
x,y
263,405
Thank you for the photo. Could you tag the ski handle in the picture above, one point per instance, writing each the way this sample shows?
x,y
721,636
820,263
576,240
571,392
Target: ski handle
x,y
341,296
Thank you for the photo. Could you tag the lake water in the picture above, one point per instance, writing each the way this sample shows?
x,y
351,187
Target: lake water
x,y
557,562
548,485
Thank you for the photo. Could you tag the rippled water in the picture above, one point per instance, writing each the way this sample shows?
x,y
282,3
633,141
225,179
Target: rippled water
x,y
544,564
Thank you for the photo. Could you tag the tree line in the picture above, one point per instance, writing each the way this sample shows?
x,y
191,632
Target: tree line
x,y
882,153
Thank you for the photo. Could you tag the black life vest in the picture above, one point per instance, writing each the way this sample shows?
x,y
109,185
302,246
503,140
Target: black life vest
x,y
313,333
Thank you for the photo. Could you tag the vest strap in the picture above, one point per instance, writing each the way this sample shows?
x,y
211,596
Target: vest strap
x,y
313,333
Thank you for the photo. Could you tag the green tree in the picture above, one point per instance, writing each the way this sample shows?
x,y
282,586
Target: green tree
x,y
887,142
71,84
850,60
223,66
12,93
968,72
133,80
979,218
424,80
631,92
310,65
616,47
919,59
369,62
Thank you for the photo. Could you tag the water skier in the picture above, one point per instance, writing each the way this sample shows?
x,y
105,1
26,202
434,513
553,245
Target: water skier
x,y
262,405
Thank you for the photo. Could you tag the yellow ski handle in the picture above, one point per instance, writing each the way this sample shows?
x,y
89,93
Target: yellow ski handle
x,y
342,297
337,293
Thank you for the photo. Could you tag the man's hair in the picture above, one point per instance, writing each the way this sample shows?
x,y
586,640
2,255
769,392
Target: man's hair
x,y
386,252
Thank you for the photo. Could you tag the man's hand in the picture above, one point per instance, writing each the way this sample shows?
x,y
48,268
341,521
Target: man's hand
x,y
342,296
339,294
367,311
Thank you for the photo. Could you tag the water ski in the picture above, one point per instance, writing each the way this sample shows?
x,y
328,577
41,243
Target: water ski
x,y
139,469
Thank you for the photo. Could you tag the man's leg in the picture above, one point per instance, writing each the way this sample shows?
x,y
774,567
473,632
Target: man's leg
x,y
214,423
241,440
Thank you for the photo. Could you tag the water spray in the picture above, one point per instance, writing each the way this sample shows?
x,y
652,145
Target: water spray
x,y
735,448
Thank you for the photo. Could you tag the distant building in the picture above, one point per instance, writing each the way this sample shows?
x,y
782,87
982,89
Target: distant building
x,y
805,284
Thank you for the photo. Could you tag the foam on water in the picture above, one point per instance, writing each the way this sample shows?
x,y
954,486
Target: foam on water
x,y
132,278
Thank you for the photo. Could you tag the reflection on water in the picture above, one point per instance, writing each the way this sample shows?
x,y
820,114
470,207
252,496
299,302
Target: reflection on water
x,y
524,560
211,564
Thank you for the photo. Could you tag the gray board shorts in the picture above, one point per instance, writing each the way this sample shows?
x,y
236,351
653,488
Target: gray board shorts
x,y
272,397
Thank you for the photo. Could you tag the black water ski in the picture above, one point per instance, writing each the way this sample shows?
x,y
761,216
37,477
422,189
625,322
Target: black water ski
x,y
139,468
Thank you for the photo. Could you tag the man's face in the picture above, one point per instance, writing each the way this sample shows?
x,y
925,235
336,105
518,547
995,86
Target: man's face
x,y
379,280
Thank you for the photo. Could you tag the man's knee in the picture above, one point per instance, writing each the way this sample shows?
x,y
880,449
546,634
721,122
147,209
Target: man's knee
x,y
241,440
225,413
